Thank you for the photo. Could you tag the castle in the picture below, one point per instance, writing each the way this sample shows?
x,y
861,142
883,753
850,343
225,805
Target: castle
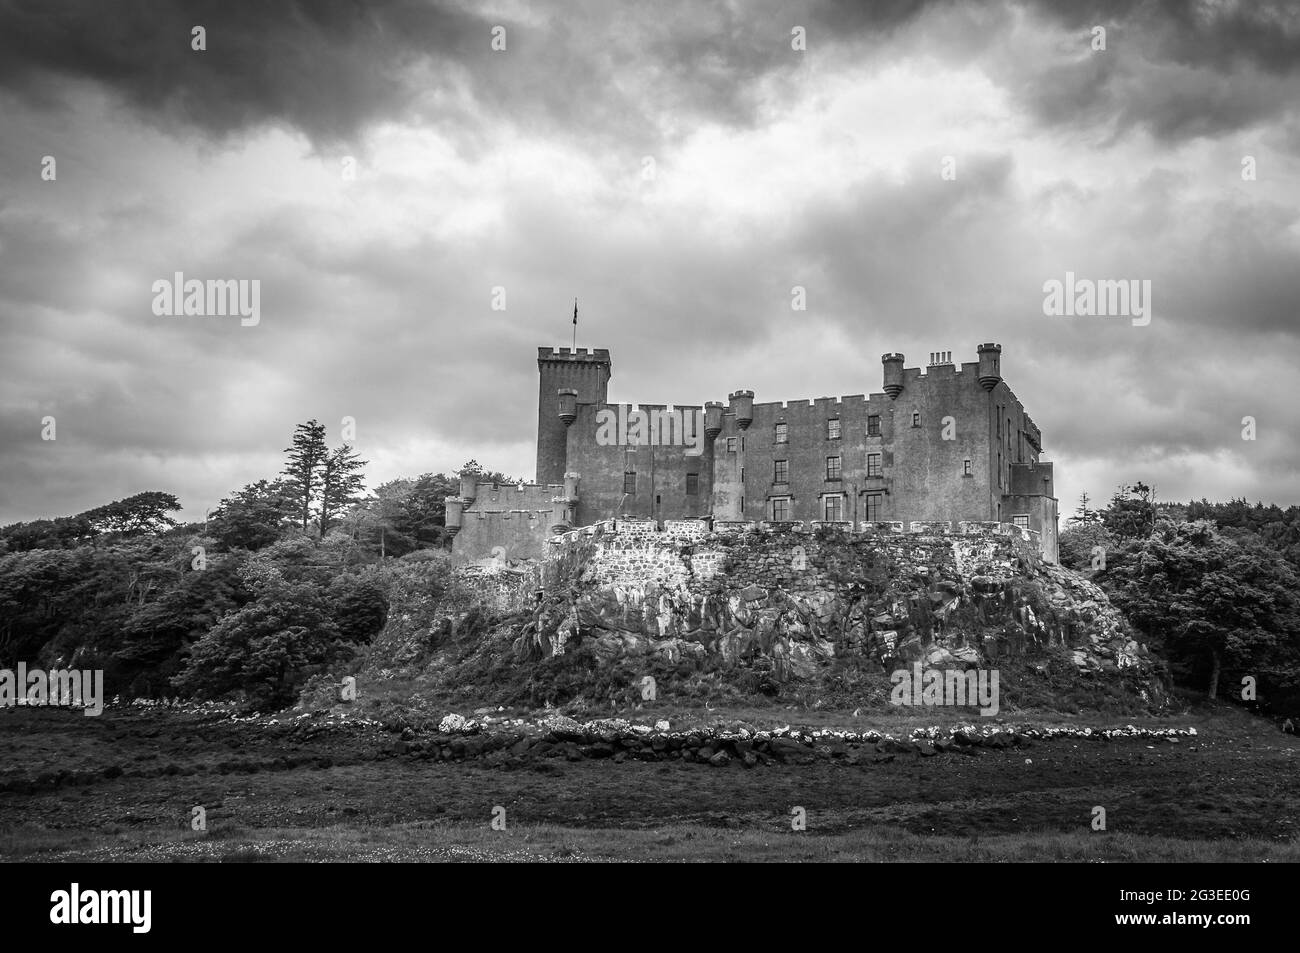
x,y
941,445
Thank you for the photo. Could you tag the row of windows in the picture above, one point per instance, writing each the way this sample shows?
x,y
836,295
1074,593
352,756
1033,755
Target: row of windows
x,y
832,507
833,430
781,473
781,468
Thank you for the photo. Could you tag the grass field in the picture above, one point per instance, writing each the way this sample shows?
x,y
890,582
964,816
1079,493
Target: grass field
x,y
123,787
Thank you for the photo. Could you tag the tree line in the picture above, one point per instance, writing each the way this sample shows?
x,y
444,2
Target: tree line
x,y
284,579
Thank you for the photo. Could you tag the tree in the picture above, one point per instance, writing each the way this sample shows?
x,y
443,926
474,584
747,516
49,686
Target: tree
x,y
267,648
487,476
253,517
342,484
1078,542
135,515
358,606
1132,512
1210,601
1083,514
404,515
59,533
157,633
303,476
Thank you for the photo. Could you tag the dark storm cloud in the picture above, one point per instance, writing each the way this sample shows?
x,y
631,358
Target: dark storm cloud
x,y
325,67
1264,34
1177,69
331,68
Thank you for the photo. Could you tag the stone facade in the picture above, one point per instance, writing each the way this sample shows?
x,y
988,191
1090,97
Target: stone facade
x,y
948,444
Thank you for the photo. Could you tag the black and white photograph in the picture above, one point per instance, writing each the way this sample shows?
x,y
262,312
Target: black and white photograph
x,y
582,432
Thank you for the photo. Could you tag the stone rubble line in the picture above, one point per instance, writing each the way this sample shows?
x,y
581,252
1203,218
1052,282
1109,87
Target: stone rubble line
x,y
600,728
461,739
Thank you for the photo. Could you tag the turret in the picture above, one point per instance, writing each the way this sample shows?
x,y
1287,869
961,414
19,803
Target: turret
x,y
561,514
713,419
571,487
893,374
455,507
568,405
468,485
990,365
742,405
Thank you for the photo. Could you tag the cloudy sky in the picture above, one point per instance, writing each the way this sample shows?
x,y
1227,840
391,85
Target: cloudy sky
x,y
679,168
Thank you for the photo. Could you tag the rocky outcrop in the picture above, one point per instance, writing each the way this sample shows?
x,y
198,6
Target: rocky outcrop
x,y
776,611
793,600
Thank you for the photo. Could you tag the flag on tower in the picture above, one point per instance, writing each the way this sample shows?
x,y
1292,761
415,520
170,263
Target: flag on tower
x,y
575,311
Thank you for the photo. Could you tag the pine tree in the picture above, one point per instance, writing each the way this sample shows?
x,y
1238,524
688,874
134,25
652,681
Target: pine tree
x,y
303,473
342,482
1084,513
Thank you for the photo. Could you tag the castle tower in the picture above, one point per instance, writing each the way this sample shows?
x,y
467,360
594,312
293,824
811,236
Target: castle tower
x,y
712,419
742,405
455,508
566,378
990,365
893,374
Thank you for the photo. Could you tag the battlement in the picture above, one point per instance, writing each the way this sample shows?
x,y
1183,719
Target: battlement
x,y
824,406
599,355
649,408
913,375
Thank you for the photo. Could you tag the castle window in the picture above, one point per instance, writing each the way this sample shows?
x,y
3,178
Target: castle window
x,y
692,484
916,418
832,468
781,509
1021,520
742,475
833,429
999,469
781,471
873,501
833,508
629,482
965,468
782,434
873,464
873,425
731,445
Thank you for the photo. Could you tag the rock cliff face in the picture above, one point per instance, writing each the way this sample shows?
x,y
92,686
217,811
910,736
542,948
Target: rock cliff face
x,y
775,611
798,598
